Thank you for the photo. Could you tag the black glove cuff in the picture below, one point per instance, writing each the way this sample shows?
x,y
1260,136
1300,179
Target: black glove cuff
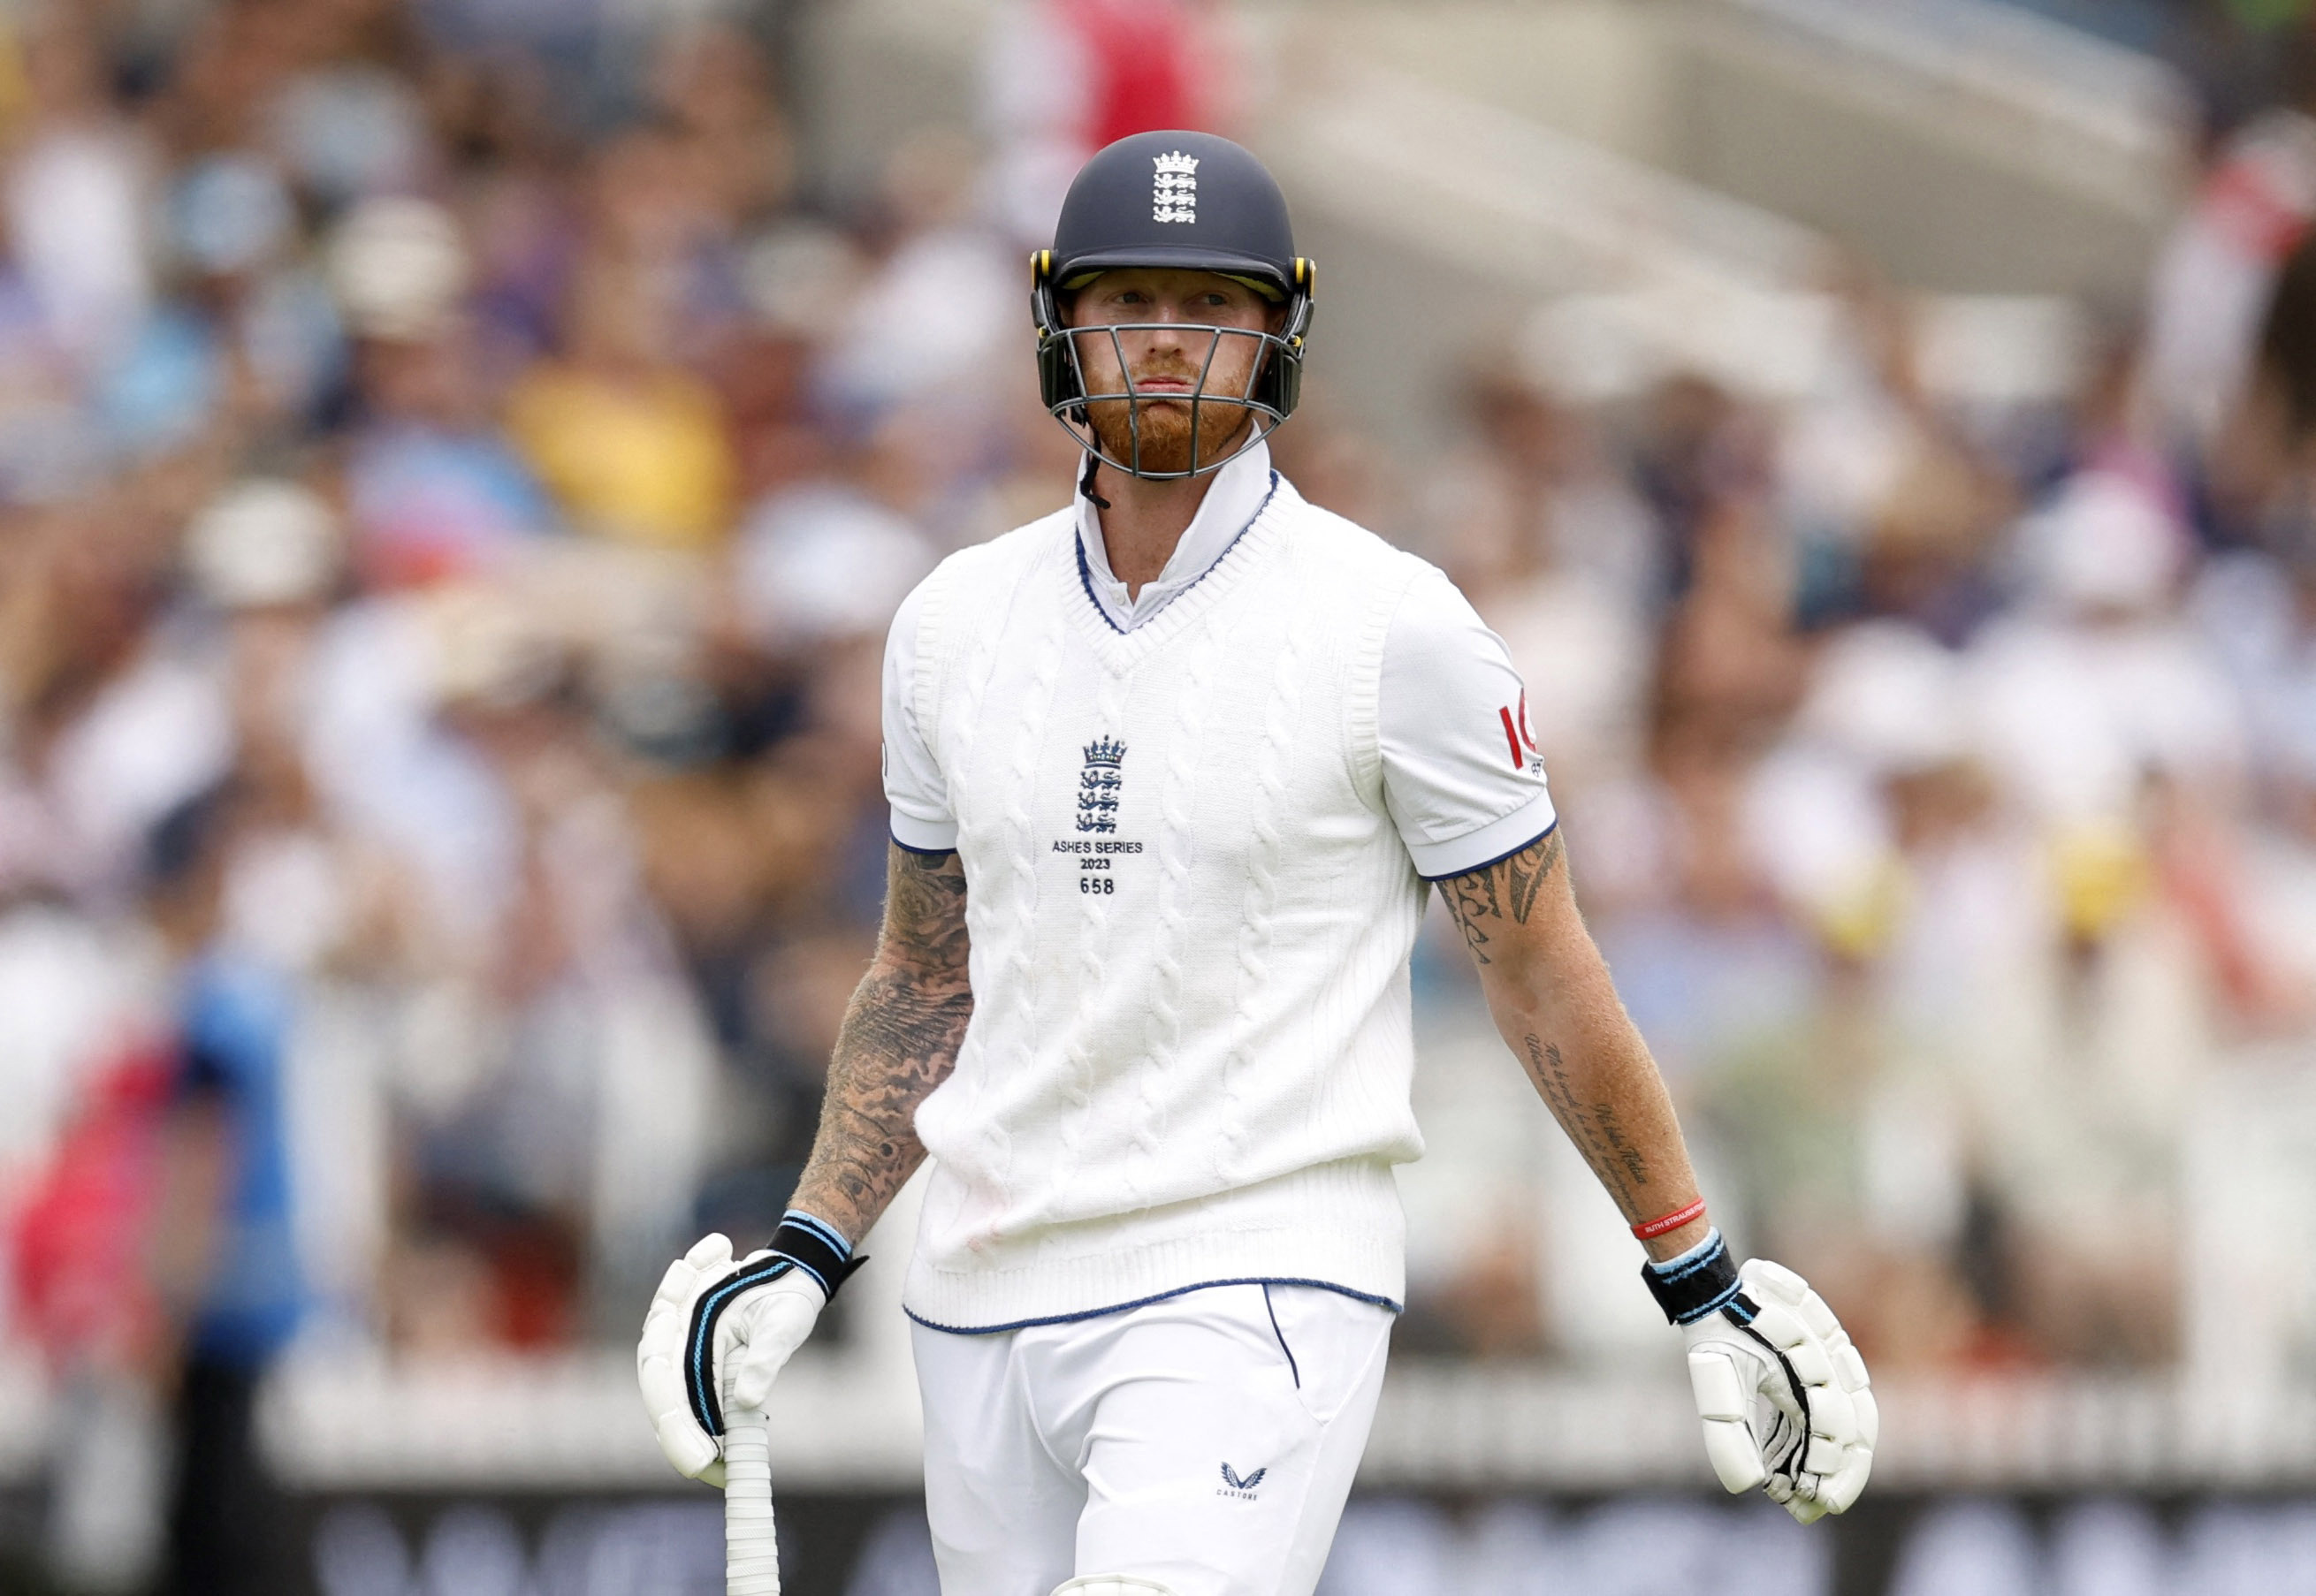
x,y
818,1250
1695,1287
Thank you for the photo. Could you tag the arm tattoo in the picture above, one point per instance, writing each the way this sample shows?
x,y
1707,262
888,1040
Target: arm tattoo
x,y
1505,890
1596,1131
900,1040
1612,1104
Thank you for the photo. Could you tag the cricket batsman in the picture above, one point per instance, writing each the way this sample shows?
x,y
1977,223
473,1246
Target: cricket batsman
x,y
1171,771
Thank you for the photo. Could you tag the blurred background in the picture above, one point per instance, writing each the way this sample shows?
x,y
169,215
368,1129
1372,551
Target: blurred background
x,y
458,459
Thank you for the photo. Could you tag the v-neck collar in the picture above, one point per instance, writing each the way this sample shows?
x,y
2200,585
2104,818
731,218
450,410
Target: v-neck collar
x,y
1121,650
1237,495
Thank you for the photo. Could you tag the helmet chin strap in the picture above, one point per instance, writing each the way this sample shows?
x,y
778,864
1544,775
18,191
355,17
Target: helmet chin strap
x,y
1085,482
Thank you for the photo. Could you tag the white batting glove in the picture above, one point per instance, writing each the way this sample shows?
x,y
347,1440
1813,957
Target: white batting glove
x,y
719,1333
1783,1394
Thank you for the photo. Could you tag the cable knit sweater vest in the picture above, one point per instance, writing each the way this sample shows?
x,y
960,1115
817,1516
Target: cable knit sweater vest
x,y
1189,1055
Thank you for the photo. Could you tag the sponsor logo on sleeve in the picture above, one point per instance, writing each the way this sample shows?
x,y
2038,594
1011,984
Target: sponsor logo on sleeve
x,y
1518,740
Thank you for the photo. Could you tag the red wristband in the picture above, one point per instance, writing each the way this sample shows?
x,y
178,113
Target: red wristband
x,y
1649,1229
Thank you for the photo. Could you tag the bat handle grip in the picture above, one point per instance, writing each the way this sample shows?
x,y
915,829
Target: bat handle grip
x,y
752,1555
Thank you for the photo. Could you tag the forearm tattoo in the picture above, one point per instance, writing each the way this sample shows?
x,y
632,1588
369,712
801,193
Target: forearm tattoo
x,y
1505,890
1597,1107
899,1041
1595,1129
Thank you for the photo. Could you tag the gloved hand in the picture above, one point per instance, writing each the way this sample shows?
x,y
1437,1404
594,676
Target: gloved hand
x,y
1783,1394
718,1333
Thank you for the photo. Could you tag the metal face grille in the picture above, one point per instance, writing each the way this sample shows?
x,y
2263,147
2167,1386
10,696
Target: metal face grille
x,y
1215,415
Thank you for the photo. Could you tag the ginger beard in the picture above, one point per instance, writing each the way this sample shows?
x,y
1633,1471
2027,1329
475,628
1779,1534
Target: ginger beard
x,y
1166,415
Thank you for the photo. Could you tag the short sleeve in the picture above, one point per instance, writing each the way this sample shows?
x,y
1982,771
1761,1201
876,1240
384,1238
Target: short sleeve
x,y
913,783
1461,773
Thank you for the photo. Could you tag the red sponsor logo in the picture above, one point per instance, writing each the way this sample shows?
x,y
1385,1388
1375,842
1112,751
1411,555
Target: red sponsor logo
x,y
1517,736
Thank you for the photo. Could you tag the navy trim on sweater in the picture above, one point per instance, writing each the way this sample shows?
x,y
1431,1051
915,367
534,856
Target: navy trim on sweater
x,y
1500,858
1099,1313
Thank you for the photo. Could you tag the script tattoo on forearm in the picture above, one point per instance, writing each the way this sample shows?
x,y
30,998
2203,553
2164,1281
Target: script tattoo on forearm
x,y
1595,1130
1619,1147
899,1041
1505,891
1549,978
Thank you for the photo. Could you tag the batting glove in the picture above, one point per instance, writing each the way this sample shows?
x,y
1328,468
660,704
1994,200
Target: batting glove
x,y
1783,1393
717,1333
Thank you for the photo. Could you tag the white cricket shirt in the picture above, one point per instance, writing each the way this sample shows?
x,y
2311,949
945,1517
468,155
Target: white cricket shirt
x,y
1462,774
1193,827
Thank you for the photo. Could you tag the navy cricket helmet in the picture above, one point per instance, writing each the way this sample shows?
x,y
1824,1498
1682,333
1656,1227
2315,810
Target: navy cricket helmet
x,y
1188,201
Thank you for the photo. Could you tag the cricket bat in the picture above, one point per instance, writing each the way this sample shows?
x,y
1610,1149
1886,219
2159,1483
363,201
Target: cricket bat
x,y
752,1555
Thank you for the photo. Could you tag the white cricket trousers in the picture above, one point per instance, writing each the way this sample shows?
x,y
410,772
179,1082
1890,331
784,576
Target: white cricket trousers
x,y
1205,1441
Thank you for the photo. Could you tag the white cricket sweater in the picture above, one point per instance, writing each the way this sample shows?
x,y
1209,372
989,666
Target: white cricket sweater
x,y
1191,911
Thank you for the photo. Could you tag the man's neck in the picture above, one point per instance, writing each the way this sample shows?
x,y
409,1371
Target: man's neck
x,y
1144,522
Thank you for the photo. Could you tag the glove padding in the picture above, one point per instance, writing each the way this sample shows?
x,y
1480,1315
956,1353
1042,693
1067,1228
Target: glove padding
x,y
743,1344
1784,1395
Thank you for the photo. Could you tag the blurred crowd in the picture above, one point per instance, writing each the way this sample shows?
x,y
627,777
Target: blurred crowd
x,y
453,483
455,468
1939,769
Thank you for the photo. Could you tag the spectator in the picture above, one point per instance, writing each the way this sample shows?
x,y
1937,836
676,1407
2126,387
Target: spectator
x,y
633,448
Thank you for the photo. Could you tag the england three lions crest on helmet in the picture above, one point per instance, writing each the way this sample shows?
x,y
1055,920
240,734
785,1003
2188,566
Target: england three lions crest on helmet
x,y
1174,189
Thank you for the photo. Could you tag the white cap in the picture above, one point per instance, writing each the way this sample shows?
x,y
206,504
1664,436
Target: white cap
x,y
399,268
264,542
827,562
1889,695
489,649
2103,544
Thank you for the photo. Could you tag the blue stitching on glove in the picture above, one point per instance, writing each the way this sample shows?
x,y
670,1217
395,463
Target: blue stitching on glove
x,y
703,1407
1714,1248
1716,1306
822,1228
